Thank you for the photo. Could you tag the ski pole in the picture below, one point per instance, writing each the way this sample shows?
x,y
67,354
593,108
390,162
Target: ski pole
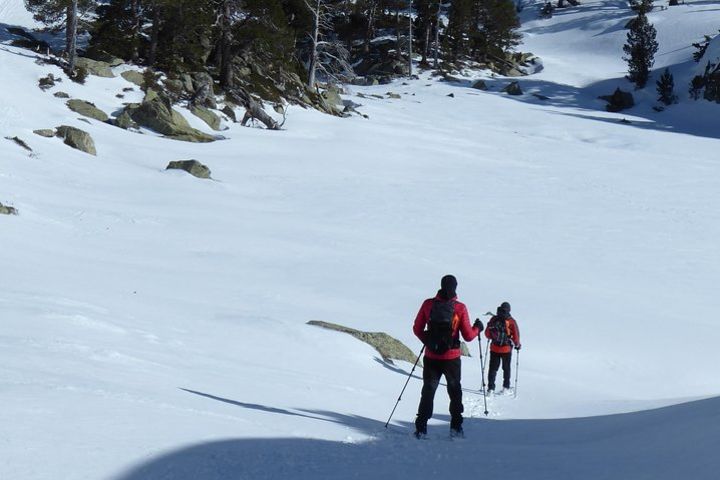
x,y
487,348
406,384
517,368
482,366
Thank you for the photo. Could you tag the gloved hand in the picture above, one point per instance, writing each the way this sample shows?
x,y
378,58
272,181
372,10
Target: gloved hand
x,y
479,325
517,347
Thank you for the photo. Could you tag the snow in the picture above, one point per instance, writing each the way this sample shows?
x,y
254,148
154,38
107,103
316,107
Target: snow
x,y
153,324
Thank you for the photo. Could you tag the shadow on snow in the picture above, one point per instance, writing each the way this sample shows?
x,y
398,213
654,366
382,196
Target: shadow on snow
x,y
667,443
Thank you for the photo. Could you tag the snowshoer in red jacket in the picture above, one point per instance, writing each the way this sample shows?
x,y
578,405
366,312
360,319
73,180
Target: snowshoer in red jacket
x,y
504,335
439,324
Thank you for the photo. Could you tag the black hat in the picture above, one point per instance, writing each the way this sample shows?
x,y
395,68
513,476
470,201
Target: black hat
x,y
505,306
448,285
448,282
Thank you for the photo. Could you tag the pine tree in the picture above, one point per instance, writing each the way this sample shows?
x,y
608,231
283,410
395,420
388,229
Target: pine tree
x,y
462,26
58,14
666,88
498,32
640,49
182,34
118,29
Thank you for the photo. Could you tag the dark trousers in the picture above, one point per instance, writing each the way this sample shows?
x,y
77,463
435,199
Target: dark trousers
x,y
495,359
432,371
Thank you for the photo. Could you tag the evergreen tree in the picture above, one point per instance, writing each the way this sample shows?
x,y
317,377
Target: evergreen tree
x,y
640,49
462,26
117,30
58,14
498,32
666,88
182,34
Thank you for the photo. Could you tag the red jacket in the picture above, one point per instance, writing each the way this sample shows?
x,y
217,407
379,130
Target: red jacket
x,y
461,324
513,332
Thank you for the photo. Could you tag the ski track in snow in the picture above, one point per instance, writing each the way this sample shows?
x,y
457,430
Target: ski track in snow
x,y
153,325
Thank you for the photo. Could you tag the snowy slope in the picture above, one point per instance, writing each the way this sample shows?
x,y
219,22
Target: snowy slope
x,y
153,324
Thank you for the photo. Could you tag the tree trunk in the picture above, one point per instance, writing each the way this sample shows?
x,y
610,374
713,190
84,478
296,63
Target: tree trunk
x,y
312,67
154,34
252,108
437,34
71,34
410,41
226,73
370,32
136,25
398,45
426,42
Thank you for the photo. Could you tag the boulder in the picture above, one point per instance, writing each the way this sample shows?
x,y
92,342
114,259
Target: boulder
x,y
133,76
514,72
451,79
7,210
95,67
388,347
48,82
230,112
61,95
76,138
193,167
619,100
204,92
332,97
513,89
396,96
480,85
156,113
45,132
207,116
124,121
87,109
187,82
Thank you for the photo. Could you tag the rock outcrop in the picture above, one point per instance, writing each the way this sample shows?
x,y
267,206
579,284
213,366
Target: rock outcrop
x,y
87,109
76,138
156,113
95,67
4,210
388,347
193,167
133,76
513,89
207,116
619,100
45,132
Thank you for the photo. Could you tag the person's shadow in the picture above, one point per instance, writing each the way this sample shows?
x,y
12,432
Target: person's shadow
x,y
663,444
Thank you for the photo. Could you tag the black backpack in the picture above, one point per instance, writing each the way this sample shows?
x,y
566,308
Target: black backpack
x,y
497,328
439,336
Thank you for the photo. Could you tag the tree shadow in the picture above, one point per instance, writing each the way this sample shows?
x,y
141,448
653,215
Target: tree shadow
x,y
640,446
689,117
616,11
52,40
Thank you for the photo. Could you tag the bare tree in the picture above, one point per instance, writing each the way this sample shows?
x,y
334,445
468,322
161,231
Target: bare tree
x,y
328,56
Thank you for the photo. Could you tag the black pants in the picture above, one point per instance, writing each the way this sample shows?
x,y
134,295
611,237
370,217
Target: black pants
x,y
495,359
432,371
